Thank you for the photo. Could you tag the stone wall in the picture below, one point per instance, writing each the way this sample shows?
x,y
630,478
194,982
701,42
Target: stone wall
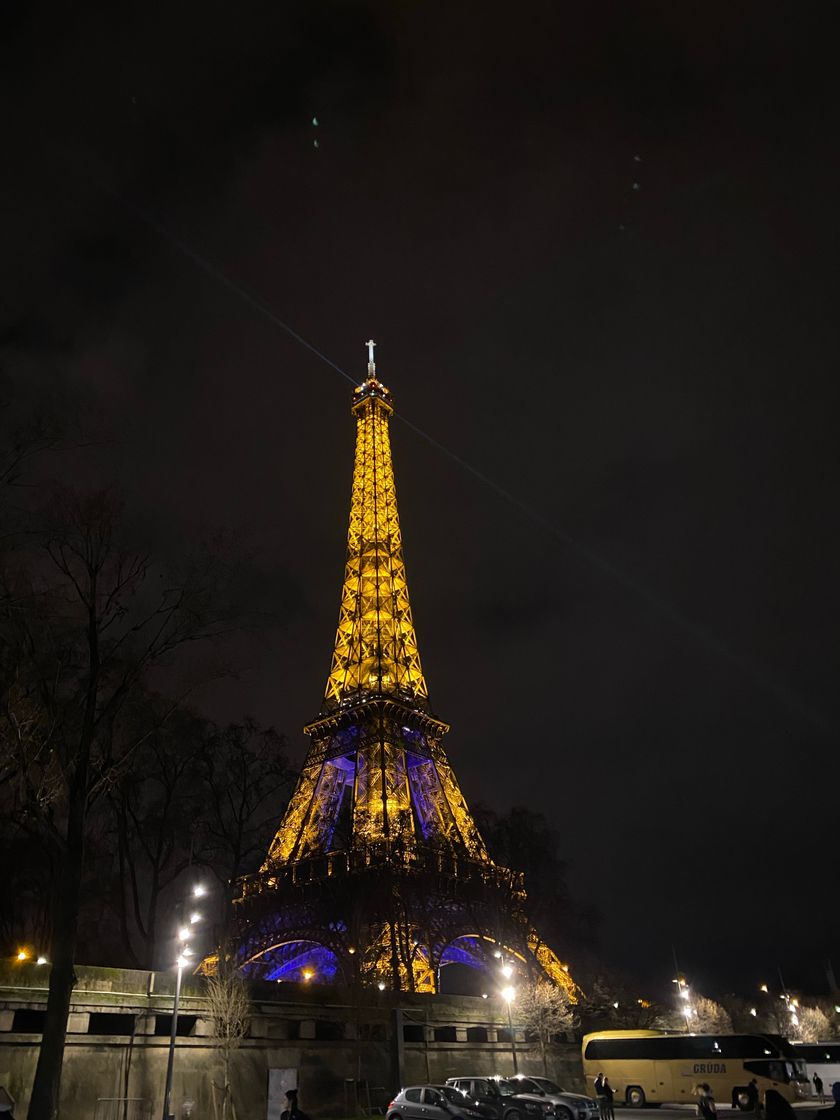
x,y
344,1051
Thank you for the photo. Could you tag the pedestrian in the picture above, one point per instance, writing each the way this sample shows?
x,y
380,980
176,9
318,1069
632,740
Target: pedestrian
x,y
818,1087
291,1111
752,1097
832,1113
606,1088
706,1108
600,1097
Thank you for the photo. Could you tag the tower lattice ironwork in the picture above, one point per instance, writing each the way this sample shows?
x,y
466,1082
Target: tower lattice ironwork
x,y
378,872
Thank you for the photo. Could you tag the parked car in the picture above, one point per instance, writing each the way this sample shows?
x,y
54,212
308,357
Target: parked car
x,y
503,1098
567,1106
435,1102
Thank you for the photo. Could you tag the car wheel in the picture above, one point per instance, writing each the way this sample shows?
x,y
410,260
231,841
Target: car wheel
x,y
563,1113
635,1096
514,1114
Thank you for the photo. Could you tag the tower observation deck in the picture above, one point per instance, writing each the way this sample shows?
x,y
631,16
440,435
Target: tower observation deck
x,y
377,872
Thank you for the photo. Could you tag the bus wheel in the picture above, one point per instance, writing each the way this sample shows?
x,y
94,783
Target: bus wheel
x,y
741,1099
635,1096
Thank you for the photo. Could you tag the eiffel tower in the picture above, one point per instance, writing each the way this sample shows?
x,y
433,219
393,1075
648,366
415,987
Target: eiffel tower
x,y
377,873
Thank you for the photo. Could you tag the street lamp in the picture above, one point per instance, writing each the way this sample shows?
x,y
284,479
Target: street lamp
x,y
683,993
173,1034
185,932
508,995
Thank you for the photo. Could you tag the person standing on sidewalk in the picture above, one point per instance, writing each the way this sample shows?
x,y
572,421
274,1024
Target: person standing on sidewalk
x,y
600,1097
609,1111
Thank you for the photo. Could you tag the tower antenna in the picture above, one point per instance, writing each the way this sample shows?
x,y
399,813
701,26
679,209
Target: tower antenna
x,y
371,363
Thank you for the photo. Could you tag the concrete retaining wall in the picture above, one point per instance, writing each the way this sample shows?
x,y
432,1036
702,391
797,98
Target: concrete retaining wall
x,y
340,1048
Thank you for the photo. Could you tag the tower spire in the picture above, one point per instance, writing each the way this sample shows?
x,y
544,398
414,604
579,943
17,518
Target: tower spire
x,y
375,652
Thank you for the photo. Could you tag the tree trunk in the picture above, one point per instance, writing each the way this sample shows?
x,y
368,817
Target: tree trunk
x,y
46,1086
544,1057
47,1083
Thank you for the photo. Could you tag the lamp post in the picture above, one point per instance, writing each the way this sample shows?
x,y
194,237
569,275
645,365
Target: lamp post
x,y
508,995
184,952
684,994
173,1034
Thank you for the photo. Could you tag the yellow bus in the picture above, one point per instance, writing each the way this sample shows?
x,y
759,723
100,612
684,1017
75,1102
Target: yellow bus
x,y
658,1067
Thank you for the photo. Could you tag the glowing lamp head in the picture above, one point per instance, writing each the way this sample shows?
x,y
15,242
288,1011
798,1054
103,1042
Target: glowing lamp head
x,y
753,1012
683,993
195,917
763,988
199,890
184,933
181,960
381,985
22,955
508,994
307,974
507,971
41,960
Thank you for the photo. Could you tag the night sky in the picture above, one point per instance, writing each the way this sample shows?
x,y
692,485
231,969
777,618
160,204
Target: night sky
x,y
597,245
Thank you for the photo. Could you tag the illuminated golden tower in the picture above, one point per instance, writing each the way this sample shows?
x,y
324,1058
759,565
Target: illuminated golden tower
x,y
377,870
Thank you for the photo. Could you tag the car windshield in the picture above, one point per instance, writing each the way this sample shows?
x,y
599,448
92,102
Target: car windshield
x,y
548,1086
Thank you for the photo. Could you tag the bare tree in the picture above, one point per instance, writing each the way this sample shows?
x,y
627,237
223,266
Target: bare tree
x,y
245,779
814,1025
229,1005
709,1017
153,806
611,1001
545,1010
82,622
